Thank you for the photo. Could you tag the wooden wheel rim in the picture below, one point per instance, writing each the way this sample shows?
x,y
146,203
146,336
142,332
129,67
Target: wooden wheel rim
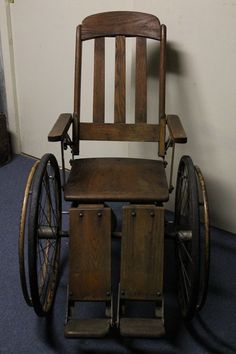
x,y
21,240
205,234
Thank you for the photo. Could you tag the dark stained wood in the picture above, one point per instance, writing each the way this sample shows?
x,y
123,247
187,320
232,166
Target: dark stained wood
x,y
60,128
176,129
162,92
142,327
87,328
120,81
77,91
118,179
142,250
99,80
162,137
116,23
119,132
90,254
141,81
162,88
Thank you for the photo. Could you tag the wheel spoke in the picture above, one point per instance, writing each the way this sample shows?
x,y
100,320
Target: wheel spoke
x,y
184,278
186,251
47,190
184,270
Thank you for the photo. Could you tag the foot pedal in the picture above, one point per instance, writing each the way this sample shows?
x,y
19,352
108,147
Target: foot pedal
x,y
90,328
142,327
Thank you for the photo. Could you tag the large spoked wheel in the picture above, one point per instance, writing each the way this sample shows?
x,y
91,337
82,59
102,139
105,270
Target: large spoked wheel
x,y
204,239
187,228
44,232
23,236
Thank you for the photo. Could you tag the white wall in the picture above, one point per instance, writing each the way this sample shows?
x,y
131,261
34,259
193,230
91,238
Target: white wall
x,y
44,41
201,80
201,89
7,60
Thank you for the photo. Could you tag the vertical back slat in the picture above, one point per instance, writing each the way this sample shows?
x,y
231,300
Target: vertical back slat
x,y
77,90
120,78
99,80
162,88
141,81
162,91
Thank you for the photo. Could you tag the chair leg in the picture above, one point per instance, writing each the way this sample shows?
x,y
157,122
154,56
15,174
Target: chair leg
x,y
141,279
89,268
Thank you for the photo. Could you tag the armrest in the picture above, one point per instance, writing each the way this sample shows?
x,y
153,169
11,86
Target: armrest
x,y
176,129
61,127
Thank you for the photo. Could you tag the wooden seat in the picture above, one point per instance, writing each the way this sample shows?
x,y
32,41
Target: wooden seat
x,y
117,179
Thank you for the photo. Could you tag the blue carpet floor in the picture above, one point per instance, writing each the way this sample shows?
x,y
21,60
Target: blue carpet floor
x,y
22,332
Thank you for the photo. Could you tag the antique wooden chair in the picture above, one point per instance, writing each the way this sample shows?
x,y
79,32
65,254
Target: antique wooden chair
x,y
92,182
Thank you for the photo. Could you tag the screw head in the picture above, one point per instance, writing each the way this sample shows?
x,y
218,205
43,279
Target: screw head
x,y
99,214
81,214
133,213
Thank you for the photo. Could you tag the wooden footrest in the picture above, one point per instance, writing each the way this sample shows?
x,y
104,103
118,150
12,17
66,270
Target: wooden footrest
x,y
92,328
142,327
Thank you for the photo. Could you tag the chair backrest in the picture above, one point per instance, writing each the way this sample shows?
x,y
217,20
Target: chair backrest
x,y
120,24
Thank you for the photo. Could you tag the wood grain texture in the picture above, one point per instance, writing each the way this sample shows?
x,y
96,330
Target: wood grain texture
x,y
60,128
176,129
96,180
142,236
119,132
162,137
120,81
162,92
77,91
90,254
162,72
99,80
125,23
141,81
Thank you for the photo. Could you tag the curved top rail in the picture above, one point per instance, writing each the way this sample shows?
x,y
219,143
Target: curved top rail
x,y
127,23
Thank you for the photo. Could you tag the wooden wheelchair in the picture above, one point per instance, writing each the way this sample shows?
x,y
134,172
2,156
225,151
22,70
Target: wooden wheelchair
x,y
93,182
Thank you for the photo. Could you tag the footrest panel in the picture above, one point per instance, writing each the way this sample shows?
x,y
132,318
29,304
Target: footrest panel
x,y
142,327
90,328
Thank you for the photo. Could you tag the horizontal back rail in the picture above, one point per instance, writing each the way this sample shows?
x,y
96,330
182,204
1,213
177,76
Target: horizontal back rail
x,y
119,132
127,23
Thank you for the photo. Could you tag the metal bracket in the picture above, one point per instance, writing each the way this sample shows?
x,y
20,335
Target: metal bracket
x,y
171,167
